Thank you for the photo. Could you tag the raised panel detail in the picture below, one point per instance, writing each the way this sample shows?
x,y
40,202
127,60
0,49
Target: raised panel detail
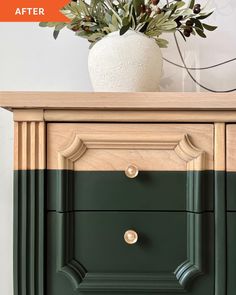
x,y
176,280
183,274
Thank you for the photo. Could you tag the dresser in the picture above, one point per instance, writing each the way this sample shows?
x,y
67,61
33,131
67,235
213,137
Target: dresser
x,y
124,193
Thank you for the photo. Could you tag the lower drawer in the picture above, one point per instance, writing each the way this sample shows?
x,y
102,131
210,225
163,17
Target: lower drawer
x,y
86,252
231,253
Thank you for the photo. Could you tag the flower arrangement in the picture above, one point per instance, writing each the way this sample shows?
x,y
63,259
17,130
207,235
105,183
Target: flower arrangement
x,y
95,19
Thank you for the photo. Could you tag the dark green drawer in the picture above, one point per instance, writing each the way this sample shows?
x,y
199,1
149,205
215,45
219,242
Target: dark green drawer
x,y
231,253
231,191
86,253
110,190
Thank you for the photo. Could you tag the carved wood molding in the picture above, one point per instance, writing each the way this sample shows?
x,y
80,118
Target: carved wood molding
x,y
194,157
30,146
29,189
174,281
193,266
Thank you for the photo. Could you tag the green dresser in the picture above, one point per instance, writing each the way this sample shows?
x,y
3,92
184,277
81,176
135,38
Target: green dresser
x,y
119,194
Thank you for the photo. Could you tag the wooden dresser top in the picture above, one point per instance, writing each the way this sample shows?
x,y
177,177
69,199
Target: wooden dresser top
x,y
162,101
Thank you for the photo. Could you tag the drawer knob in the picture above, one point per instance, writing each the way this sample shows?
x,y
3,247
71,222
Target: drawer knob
x,y
131,171
131,237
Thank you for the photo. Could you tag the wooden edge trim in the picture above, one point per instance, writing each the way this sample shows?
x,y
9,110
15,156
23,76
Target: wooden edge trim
x,y
220,146
220,209
28,115
138,116
39,115
131,100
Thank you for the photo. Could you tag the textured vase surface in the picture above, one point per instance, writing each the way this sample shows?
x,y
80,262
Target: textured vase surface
x,y
128,63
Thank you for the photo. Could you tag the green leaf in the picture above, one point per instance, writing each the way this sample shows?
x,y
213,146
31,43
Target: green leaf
x,y
180,4
162,43
209,28
48,24
124,29
112,28
167,26
186,12
55,34
205,15
200,33
95,37
114,21
137,6
60,26
125,21
192,3
197,23
43,24
108,18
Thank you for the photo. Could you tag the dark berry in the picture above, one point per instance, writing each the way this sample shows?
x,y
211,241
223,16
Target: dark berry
x,y
76,28
187,33
86,29
143,8
197,8
155,2
148,10
190,29
189,23
89,19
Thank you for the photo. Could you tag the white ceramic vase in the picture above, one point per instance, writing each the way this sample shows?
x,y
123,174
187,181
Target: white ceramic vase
x,y
128,63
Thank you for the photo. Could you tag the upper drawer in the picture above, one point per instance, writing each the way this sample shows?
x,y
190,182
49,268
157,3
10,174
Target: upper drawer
x,y
88,165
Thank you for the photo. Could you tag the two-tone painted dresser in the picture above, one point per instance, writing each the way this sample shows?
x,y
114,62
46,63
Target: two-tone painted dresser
x,y
124,193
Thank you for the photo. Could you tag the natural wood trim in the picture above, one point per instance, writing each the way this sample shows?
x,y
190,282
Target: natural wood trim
x,y
220,147
231,148
28,115
194,158
119,101
121,144
138,116
30,146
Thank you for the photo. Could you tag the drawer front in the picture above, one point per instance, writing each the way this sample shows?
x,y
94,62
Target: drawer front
x,y
87,252
89,165
231,256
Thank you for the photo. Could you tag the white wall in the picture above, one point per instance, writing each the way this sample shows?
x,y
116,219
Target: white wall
x,y
31,60
6,202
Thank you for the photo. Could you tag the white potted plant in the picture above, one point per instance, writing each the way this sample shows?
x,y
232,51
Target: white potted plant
x,y
125,37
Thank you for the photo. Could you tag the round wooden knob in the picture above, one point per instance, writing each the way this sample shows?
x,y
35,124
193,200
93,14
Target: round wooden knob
x,y
131,237
131,171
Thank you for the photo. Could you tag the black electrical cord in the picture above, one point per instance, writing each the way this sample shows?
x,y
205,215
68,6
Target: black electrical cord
x,y
191,76
202,68
188,69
